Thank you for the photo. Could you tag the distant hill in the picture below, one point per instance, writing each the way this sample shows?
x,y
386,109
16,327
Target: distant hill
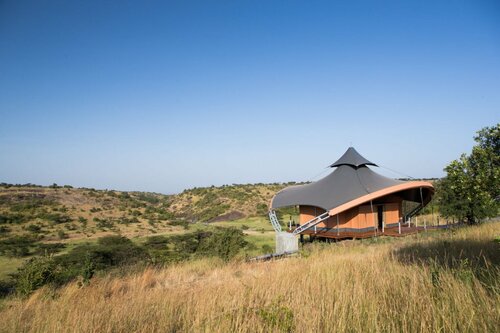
x,y
59,212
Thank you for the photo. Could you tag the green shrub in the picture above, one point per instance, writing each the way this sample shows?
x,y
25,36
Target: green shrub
x,y
182,223
13,218
266,248
55,218
30,203
88,269
224,243
34,228
83,221
107,253
262,209
147,197
278,316
49,248
4,230
104,223
156,242
17,246
61,234
35,273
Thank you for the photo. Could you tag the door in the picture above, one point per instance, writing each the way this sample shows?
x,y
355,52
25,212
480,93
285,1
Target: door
x,y
380,216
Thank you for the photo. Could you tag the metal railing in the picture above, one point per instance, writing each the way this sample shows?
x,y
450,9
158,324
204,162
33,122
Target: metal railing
x,y
311,223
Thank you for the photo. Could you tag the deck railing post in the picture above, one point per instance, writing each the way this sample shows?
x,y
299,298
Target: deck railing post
x,y
338,230
399,227
315,229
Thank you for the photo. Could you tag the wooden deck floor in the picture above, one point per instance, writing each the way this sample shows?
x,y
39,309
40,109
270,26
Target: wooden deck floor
x,y
392,231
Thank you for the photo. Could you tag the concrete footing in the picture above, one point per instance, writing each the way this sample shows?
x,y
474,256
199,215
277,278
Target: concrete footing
x,y
286,243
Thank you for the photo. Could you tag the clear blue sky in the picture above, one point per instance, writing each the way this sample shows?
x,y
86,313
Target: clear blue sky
x,y
163,96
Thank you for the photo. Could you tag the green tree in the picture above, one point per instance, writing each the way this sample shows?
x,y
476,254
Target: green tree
x,y
471,189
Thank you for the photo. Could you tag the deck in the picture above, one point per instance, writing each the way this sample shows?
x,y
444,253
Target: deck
x,y
392,231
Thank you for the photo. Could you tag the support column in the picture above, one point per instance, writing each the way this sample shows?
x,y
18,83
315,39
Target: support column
x,y
373,217
338,231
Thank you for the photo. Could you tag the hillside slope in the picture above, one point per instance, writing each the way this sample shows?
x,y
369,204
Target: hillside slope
x,y
65,212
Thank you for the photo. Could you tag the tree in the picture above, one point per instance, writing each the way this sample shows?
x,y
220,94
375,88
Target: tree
x,y
471,189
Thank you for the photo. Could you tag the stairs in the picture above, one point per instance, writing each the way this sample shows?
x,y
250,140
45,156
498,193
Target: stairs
x,y
311,223
412,212
274,221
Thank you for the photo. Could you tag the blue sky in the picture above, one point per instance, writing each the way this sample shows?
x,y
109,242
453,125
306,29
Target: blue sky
x,y
163,96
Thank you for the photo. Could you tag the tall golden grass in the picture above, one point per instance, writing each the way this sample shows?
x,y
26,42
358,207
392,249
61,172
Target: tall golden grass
x,y
345,287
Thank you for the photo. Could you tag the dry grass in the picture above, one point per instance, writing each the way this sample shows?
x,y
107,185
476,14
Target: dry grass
x,y
350,287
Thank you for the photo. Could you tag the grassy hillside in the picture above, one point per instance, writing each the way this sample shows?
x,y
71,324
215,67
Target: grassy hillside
x,y
35,220
436,282
55,213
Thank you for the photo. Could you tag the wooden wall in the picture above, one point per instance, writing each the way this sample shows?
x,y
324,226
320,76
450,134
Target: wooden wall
x,y
356,218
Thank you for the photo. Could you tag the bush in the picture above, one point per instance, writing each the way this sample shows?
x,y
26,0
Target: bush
x,y
34,228
17,246
104,223
34,274
262,209
183,223
13,218
156,242
108,252
224,243
49,248
55,218
147,197
83,221
266,248
61,234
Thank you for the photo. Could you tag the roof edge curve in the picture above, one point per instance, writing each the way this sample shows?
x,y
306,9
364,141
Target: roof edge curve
x,y
380,193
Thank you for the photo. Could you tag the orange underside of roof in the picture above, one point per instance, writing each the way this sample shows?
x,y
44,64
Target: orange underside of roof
x,y
378,194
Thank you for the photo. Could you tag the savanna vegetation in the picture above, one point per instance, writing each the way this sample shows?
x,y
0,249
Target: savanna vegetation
x,y
435,282
54,228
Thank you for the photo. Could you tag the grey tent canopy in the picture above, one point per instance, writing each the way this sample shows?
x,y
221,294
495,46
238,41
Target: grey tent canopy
x,y
353,158
352,179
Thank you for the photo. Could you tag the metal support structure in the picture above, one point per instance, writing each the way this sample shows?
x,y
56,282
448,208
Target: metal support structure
x,y
311,223
274,221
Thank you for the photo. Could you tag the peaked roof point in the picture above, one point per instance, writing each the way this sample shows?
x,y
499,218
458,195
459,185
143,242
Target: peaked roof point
x,y
353,158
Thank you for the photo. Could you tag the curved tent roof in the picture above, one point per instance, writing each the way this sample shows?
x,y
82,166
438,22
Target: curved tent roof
x,y
351,181
353,158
